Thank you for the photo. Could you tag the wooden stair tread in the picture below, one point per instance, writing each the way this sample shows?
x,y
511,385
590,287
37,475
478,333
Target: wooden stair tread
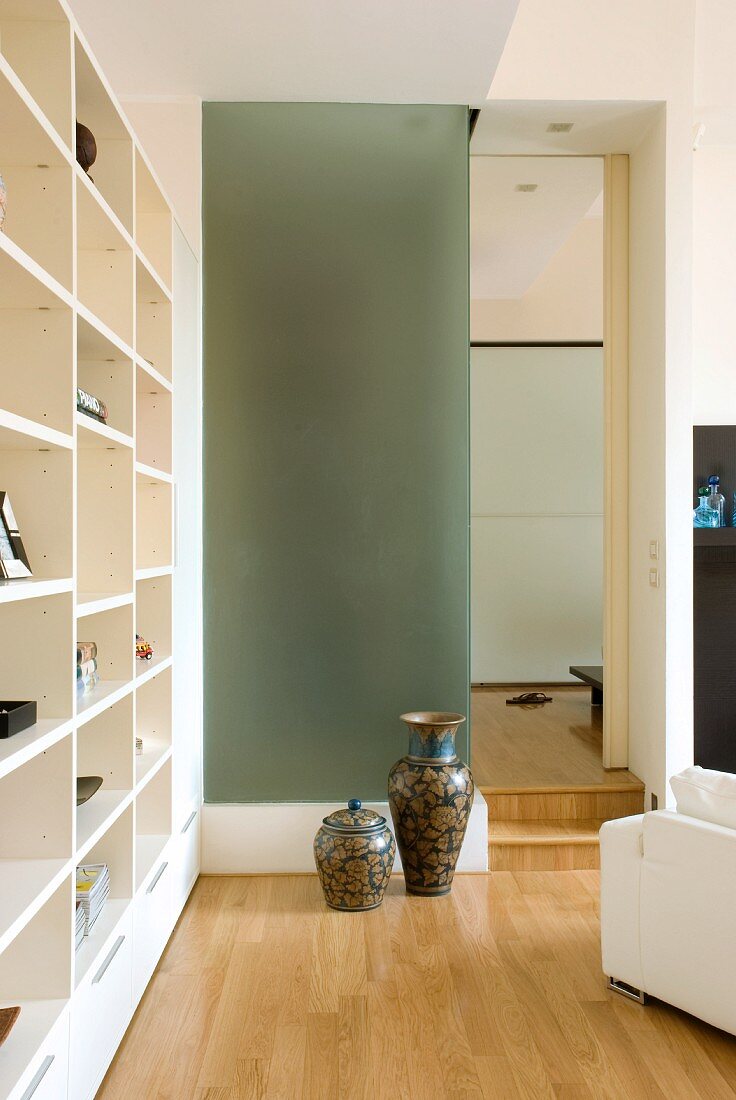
x,y
568,831
595,788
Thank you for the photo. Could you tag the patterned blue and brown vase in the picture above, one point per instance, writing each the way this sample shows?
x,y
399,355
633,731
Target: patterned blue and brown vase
x,y
354,851
430,792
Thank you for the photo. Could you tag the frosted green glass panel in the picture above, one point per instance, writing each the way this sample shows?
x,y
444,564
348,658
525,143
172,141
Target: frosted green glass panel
x,y
335,441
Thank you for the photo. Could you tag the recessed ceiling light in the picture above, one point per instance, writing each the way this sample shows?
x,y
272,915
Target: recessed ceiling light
x,y
559,127
526,187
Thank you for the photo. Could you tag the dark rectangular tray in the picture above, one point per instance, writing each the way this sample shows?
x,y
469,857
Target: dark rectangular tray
x,y
19,717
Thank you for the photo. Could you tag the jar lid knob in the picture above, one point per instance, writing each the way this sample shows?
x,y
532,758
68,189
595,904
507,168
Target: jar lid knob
x,y
354,804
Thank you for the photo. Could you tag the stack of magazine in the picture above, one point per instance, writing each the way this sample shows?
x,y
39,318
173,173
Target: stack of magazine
x,y
93,886
80,927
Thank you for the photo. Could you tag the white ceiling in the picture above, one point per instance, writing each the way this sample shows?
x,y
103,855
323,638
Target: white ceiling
x,y
520,127
514,234
389,51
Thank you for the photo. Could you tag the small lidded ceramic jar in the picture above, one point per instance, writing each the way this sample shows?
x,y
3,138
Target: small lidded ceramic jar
x,y
354,851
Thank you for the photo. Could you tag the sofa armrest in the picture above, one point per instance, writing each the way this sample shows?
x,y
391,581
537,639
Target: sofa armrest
x,y
621,861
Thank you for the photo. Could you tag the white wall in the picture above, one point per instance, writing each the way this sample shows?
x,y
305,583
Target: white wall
x,y
628,51
170,131
564,303
536,512
714,285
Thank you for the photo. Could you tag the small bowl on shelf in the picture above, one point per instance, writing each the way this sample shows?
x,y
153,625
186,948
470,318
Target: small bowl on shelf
x,y
87,785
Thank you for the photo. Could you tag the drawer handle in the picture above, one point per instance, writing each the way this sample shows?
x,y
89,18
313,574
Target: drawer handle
x,y
41,1072
113,952
189,821
156,877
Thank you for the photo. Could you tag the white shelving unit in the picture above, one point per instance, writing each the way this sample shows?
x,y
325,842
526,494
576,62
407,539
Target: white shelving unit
x,y
87,297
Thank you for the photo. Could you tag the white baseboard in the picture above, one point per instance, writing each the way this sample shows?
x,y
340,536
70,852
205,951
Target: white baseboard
x,y
276,837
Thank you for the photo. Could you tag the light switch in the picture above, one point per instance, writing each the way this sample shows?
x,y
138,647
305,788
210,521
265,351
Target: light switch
x,y
654,550
654,578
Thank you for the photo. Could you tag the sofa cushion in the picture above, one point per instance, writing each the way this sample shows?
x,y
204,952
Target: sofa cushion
x,y
707,795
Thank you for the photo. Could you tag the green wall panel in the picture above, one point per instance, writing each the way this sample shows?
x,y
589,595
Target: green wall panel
x,y
335,441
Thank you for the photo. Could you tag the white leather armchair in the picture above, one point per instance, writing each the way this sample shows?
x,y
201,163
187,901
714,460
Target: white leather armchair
x,y
668,911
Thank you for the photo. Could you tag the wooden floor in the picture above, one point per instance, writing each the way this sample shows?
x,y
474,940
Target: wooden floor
x,y
557,745
494,991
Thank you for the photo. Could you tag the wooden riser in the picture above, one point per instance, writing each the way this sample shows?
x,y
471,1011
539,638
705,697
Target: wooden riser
x,y
557,804
548,856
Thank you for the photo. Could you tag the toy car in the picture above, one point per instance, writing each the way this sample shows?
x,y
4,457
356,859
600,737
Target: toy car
x,y
143,650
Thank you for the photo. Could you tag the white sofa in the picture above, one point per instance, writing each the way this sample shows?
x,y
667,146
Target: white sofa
x,y
668,900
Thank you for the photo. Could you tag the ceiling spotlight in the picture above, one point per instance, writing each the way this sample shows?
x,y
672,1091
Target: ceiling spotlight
x,y
526,187
559,127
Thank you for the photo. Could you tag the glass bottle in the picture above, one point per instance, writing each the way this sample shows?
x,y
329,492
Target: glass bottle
x,y
717,501
704,515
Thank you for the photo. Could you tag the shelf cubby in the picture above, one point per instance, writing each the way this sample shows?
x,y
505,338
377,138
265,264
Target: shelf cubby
x,y
38,479
105,747
153,322
153,422
35,973
153,522
35,39
35,835
153,821
115,848
104,520
39,662
37,354
112,171
153,228
104,266
38,178
153,722
112,630
106,372
153,616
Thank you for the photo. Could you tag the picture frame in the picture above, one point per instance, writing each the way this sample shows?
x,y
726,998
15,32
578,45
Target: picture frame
x,y
14,564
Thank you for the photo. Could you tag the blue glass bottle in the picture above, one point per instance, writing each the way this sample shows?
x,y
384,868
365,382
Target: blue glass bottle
x,y
717,501
704,515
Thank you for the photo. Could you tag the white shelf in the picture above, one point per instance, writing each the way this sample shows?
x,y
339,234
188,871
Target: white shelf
x,y
20,434
153,273
23,746
25,884
155,374
146,670
104,695
91,603
92,945
153,572
103,330
30,588
148,848
154,756
106,211
150,472
93,433
22,93
18,273
31,1030
96,816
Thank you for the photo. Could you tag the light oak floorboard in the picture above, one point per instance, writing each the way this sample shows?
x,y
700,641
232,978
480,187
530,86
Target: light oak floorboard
x,y
494,992
557,745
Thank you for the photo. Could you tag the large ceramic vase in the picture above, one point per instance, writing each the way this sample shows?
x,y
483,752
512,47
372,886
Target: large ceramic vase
x,y
430,792
354,851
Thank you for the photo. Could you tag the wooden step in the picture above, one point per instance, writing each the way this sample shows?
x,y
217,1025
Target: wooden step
x,y
539,845
599,802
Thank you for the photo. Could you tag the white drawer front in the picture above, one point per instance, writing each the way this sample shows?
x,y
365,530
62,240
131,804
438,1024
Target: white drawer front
x,y
186,860
101,1011
152,922
48,1075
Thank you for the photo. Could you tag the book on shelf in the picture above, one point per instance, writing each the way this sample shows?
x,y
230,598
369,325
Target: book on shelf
x,y
92,406
80,926
93,887
87,668
86,651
